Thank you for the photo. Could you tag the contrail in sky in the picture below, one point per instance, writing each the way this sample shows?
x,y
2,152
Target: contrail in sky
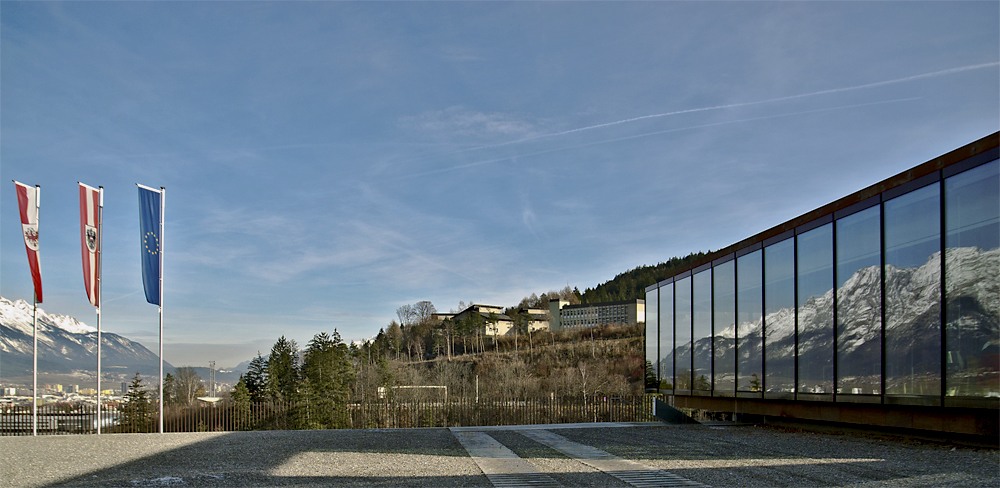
x,y
731,105
647,134
120,297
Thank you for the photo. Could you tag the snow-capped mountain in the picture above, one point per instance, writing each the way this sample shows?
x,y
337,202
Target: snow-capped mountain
x,y
913,318
64,344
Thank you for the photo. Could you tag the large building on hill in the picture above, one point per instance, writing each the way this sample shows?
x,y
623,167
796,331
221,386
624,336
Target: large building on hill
x,y
880,308
560,315
566,316
496,322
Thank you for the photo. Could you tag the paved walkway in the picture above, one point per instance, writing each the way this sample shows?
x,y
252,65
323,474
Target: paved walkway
x,y
588,455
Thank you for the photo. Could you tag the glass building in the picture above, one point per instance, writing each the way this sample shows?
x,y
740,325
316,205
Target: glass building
x,y
889,297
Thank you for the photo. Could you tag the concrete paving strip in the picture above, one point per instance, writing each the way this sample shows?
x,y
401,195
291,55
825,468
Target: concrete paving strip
x,y
626,470
500,465
584,425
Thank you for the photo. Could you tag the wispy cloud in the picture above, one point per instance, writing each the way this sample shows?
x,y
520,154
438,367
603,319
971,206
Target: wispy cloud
x,y
528,216
647,134
459,121
732,105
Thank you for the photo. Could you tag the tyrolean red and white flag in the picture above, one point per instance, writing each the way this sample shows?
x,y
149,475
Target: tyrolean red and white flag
x,y
27,202
91,201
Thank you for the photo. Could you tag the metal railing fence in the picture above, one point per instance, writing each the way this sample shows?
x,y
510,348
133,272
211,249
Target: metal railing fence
x,y
456,412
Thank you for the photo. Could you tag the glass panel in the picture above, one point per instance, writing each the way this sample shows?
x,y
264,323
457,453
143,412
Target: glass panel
x,y
779,316
859,303
702,352
749,303
667,336
682,332
724,284
815,320
972,293
913,293
652,338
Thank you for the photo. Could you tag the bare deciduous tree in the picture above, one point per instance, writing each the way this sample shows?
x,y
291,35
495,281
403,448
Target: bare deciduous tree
x,y
187,385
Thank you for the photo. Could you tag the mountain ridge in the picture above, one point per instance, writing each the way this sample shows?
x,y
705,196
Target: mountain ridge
x,y
65,344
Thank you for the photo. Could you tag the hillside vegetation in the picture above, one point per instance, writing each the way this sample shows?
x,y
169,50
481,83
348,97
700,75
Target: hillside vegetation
x,y
610,362
632,284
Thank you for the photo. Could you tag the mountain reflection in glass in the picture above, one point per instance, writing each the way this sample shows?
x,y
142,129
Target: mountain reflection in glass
x,y
701,352
859,303
724,284
652,337
682,333
972,292
666,316
815,319
749,308
913,293
779,316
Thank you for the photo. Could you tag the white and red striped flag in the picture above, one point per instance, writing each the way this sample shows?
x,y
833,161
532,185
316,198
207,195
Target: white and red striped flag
x,y
91,201
27,202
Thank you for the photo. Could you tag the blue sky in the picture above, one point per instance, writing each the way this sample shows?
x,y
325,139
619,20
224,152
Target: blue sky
x,y
327,162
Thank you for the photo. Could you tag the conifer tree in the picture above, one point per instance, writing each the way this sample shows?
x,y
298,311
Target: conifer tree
x,y
169,389
303,414
136,411
330,374
241,405
283,369
256,379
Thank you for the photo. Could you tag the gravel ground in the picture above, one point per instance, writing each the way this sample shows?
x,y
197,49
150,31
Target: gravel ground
x,y
719,456
767,457
393,457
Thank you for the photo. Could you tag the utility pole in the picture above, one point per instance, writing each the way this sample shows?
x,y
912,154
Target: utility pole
x,y
211,376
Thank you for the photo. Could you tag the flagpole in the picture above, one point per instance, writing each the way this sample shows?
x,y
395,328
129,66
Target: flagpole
x,y
34,340
34,374
100,244
163,197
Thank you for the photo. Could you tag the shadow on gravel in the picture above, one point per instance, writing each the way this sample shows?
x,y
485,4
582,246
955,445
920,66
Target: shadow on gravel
x,y
417,457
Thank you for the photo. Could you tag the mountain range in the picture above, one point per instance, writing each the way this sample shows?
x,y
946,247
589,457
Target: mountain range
x,y
65,345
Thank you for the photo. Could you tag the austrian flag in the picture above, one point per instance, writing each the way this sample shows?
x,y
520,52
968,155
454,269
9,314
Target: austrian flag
x,y
27,202
91,203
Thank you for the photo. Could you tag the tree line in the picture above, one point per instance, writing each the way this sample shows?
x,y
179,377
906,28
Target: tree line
x,y
317,380
632,284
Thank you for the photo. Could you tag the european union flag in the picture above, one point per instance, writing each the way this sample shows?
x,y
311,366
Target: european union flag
x,y
150,241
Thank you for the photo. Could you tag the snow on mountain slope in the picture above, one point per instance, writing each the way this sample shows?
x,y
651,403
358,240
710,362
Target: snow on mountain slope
x,y
64,343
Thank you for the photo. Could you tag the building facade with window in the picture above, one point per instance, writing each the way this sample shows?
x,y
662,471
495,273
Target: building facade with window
x,y
566,316
882,307
495,323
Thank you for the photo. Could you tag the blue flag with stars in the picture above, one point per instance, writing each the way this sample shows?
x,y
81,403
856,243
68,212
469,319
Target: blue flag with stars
x,y
150,242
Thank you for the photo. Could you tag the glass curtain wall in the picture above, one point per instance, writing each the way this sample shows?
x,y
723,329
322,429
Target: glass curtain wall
x,y
702,340
779,316
912,229
724,319
652,338
972,258
666,317
749,303
815,303
682,333
808,311
859,303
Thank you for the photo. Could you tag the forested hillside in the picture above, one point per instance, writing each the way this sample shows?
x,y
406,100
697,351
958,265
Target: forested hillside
x,y
632,284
